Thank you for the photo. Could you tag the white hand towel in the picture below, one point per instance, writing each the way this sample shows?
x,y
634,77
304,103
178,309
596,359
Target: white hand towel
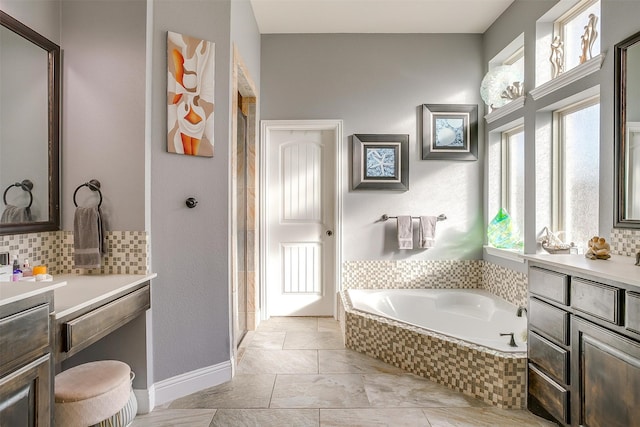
x,y
427,231
405,232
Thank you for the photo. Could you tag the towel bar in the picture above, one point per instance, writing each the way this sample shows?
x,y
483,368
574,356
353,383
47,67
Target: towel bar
x,y
26,185
94,185
385,217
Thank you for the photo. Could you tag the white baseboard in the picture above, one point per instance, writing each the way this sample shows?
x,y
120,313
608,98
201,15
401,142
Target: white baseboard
x,y
146,399
189,382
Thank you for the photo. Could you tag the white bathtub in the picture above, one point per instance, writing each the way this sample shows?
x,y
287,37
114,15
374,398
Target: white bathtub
x,y
471,315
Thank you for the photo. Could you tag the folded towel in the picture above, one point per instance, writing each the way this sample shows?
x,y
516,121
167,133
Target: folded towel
x,y
427,231
405,232
15,215
88,238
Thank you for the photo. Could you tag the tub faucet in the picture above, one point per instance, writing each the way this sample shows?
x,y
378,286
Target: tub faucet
x,y
512,342
521,310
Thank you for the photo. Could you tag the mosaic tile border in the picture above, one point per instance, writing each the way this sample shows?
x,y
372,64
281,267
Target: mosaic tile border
x,y
411,274
127,251
496,378
625,241
452,274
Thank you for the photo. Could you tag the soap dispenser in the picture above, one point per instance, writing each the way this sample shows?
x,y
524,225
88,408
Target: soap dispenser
x,y
26,269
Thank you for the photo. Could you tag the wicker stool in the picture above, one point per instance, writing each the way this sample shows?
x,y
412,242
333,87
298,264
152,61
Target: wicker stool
x,y
92,392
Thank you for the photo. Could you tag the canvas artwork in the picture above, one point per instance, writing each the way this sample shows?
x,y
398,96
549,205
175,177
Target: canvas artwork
x,y
190,90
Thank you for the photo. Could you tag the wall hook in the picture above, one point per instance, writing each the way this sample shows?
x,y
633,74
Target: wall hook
x,y
191,202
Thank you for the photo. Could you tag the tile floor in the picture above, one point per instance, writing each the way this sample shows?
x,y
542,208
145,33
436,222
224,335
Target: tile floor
x,y
297,372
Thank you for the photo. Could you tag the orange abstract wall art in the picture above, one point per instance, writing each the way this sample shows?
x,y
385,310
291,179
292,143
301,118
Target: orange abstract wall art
x,y
190,89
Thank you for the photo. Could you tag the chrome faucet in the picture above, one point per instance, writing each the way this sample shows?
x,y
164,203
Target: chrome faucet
x,y
521,310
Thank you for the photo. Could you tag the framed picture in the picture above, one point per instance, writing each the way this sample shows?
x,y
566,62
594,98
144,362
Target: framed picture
x,y
190,90
449,132
380,162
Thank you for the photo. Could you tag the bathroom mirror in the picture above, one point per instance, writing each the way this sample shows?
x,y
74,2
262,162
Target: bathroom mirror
x,y
29,129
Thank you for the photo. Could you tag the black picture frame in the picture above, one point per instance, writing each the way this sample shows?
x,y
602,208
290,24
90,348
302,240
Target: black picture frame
x,y
380,162
450,132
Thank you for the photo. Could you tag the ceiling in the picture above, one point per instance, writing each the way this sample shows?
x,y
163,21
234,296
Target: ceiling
x,y
376,16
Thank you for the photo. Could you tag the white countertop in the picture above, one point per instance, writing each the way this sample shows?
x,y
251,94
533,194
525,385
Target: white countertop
x,y
73,292
14,291
618,268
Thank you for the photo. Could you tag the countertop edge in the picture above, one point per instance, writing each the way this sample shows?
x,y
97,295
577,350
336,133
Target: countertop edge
x,y
618,268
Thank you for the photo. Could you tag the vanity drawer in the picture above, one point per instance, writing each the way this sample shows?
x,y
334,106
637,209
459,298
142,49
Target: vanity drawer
x,y
553,397
549,284
596,299
632,321
24,335
549,321
88,328
553,359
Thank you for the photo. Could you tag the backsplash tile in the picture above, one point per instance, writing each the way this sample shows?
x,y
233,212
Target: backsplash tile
x,y
625,241
127,251
450,274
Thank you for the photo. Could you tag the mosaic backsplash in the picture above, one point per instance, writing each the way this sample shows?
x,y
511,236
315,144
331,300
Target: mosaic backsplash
x,y
127,251
625,241
452,274
411,274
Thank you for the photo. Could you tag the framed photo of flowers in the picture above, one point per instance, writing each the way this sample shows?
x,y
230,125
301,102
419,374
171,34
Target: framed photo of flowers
x,y
380,162
449,132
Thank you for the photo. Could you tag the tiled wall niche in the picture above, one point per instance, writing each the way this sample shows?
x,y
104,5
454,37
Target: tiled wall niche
x,y
127,251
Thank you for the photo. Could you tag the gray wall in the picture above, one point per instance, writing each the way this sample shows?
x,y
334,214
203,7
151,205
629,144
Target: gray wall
x,y
618,21
190,247
377,84
103,108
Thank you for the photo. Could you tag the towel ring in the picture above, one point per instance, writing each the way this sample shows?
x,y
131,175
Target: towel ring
x,y
94,185
26,185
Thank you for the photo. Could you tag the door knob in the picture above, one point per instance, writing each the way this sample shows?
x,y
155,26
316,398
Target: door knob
x,y
329,233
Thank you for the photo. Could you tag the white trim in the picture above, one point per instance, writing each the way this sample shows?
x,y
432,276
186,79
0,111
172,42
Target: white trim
x,y
146,399
266,126
568,77
509,254
191,382
505,110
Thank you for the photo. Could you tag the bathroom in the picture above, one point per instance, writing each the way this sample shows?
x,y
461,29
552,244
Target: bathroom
x,y
113,127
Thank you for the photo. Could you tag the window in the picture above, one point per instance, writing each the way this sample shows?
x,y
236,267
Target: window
x,y
571,27
512,196
576,171
517,61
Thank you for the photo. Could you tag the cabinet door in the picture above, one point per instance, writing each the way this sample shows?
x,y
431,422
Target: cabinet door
x,y
608,383
25,395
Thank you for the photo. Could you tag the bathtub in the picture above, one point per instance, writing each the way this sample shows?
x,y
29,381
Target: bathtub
x,y
450,336
475,316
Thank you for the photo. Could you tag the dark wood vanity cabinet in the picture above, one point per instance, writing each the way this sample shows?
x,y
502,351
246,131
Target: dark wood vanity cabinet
x,y
26,383
584,349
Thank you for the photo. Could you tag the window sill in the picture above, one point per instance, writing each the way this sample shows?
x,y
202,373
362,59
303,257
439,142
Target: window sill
x,y
510,254
568,77
505,110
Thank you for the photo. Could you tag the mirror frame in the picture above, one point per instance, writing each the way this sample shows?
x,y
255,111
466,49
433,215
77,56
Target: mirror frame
x,y
53,53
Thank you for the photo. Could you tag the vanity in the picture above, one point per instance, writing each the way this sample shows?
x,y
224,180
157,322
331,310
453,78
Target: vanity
x,y
44,323
584,339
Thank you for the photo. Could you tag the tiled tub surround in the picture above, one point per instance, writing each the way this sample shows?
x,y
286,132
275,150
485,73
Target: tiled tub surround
x,y
492,376
451,274
127,251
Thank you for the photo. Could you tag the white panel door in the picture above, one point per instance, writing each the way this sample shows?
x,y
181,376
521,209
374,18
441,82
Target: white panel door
x,y
300,222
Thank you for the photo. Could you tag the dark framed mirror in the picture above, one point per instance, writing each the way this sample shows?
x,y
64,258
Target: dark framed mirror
x,y
29,129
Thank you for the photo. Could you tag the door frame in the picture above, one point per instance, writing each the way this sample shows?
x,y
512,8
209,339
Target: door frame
x,y
266,127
